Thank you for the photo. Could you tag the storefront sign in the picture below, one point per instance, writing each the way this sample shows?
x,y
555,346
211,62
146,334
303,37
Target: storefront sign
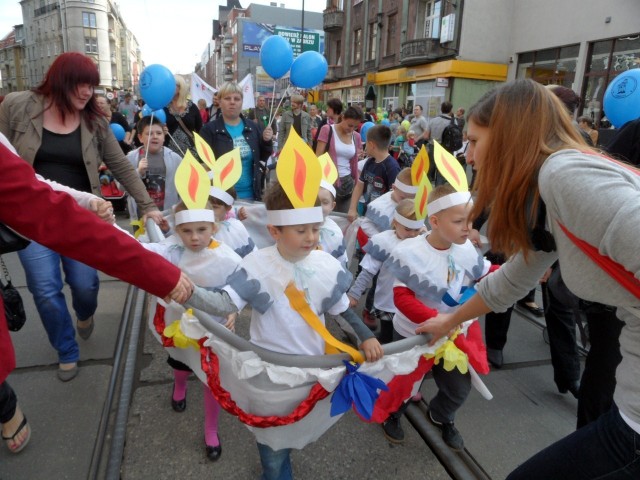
x,y
442,82
352,82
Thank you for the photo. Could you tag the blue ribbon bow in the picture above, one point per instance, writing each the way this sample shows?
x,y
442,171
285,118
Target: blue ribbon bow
x,y
467,293
357,389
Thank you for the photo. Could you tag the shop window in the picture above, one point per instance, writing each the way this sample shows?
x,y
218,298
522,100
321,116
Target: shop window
x,y
553,66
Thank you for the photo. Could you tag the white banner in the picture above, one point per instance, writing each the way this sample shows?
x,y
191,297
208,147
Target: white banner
x,y
201,89
248,97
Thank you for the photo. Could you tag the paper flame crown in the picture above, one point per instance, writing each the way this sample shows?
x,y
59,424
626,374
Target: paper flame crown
x,y
225,171
299,173
329,173
419,167
453,173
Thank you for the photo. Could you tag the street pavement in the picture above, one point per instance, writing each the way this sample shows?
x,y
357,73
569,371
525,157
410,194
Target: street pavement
x,y
526,414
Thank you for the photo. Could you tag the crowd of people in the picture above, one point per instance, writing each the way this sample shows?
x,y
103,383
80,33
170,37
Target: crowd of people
x,y
547,196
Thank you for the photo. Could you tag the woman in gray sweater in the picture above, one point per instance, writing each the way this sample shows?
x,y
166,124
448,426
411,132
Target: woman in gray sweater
x,y
553,198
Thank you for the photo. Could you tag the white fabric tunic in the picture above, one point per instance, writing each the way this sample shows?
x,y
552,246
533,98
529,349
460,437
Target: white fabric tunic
x,y
332,240
379,215
432,274
261,280
233,233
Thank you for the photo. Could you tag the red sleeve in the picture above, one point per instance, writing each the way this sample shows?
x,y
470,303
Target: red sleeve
x,y
492,269
412,308
54,219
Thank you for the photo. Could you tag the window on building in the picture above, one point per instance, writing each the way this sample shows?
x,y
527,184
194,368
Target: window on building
x,y
89,19
373,41
357,46
553,66
431,17
391,35
90,40
338,53
606,59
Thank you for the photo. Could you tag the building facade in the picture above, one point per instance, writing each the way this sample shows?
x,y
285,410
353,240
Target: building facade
x,y
13,68
392,53
93,27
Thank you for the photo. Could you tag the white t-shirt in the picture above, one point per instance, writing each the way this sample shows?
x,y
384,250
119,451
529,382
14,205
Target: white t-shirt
x,y
344,153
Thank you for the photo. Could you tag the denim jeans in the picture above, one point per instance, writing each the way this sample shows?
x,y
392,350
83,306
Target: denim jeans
x,y
605,449
44,279
276,464
8,402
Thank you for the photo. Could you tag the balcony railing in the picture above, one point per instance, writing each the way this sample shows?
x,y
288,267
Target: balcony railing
x,y
422,50
332,19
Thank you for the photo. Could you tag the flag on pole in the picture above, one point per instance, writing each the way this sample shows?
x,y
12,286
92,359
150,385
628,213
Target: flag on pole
x,y
201,89
248,97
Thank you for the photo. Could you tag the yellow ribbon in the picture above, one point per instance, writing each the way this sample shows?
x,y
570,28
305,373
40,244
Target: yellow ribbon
x,y
452,356
332,344
141,230
180,340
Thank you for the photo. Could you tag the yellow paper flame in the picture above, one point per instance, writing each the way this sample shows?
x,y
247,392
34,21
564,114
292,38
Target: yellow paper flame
x,y
204,151
450,168
192,182
422,197
419,166
227,170
329,170
299,172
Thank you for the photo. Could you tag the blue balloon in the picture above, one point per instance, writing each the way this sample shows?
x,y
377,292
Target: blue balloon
x,y
118,131
363,130
157,86
385,121
276,56
622,98
309,70
160,115
146,110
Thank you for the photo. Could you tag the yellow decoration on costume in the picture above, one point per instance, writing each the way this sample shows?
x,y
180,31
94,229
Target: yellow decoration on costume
x,y
140,230
227,170
180,340
422,197
192,182
419,166
450,168
299,172
213,244
204,151
332,345
452,356
329,170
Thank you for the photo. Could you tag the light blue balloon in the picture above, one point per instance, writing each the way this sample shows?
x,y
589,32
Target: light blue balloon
x,y
118,131
160,115
146,110
385,121
309,70
157,86
276,56
363,130
622,98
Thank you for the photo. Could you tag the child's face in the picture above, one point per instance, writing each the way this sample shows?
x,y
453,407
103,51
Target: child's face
x,y
370,149
157,138
452,225
220,211
295,242
398,195
326,202
403,232
196,236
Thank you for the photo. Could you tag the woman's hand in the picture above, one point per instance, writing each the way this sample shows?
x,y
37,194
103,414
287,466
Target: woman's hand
x,y
231,321
182,291
438,327
372,349
103,209
267,134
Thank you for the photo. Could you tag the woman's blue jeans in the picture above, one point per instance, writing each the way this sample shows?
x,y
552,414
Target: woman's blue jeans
x,y
44,279
276,464
604,449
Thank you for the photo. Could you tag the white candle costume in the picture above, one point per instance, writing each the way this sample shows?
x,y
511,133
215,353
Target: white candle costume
x,y
331,235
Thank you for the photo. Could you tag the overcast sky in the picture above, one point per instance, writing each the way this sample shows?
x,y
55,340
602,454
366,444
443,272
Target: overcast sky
x,y
173,33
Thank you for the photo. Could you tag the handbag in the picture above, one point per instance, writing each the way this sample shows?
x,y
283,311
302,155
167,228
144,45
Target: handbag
x,y
13,306
11,241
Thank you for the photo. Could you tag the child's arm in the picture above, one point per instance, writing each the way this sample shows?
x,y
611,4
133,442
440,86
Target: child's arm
x,y
370,346
215,302
406,302
355,196
370,266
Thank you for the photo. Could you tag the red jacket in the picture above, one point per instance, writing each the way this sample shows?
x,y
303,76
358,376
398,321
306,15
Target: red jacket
x,y
54,219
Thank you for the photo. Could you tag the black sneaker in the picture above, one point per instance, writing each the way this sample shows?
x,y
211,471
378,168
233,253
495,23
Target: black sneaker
x,y
393,429
450,434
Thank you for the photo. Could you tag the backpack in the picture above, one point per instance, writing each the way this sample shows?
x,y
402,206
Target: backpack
x,y
452,136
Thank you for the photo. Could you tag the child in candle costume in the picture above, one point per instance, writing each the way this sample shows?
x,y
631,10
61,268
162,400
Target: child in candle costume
x,y
404,226
208,263
435,274
331,236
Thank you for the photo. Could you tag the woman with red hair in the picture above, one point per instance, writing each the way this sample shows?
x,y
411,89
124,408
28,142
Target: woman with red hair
x,y
59,129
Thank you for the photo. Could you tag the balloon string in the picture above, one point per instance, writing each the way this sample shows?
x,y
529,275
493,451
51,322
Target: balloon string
x,y
280,103
146,148
273,97
175,143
